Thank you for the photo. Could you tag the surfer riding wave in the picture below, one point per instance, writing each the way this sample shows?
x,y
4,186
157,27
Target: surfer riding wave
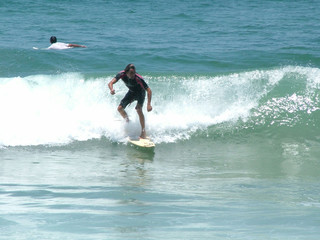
x,y
137,91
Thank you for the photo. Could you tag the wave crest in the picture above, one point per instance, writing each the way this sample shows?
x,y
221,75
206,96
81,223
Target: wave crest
x,y
59,109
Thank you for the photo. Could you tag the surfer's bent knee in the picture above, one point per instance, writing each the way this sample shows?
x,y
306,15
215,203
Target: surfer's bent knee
x,y
139,108
120,108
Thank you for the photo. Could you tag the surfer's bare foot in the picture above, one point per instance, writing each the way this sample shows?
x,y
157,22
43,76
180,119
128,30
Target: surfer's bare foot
x,y
143,134
127,119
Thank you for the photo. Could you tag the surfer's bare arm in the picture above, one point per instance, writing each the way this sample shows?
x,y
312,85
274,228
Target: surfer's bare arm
x,y
110,85
149,93
76,45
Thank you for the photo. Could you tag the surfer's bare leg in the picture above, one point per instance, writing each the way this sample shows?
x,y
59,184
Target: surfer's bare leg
x,y
123,113
142,121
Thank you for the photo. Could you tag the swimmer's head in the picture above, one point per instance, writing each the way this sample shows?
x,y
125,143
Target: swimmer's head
x,y
53,39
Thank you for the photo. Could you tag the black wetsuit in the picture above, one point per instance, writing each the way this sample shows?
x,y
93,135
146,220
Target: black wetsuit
x,y
137,89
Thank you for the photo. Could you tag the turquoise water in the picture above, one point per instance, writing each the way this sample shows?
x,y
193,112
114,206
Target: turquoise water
x,y
235,120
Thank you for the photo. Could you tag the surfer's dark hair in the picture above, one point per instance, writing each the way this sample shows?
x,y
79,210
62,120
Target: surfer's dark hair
x,y
53,39
128,67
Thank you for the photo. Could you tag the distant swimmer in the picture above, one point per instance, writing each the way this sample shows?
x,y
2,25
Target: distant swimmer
x,y
137,91
61,46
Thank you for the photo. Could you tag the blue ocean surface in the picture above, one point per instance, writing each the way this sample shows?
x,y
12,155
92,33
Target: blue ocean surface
x,y
235,120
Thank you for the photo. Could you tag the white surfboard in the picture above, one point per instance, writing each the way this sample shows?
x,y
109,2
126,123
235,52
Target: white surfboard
x,y
142,142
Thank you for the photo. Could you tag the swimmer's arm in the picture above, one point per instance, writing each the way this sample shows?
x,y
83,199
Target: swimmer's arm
x,y
76,45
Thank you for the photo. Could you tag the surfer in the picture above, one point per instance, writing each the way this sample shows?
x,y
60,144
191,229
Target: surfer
x,y
60,46
137,91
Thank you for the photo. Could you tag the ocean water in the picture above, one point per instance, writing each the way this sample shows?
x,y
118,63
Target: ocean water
x,y
235,120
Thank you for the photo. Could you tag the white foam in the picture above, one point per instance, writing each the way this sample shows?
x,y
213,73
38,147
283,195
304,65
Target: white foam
x,y
56,109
